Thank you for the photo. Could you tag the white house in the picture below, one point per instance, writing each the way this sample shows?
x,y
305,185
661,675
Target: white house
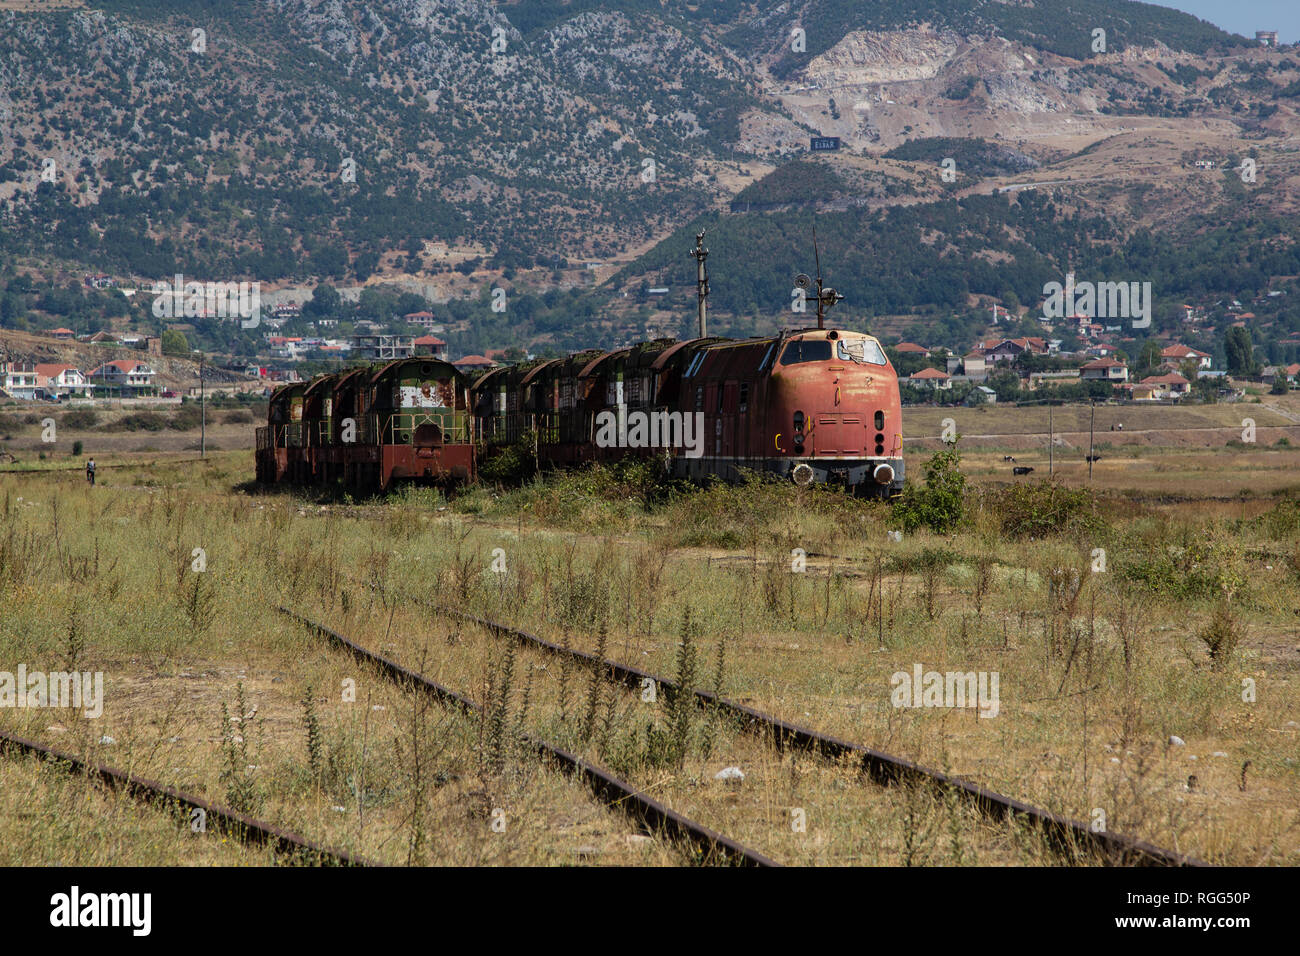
x,y
931,377
1104,369
58,379
1171,385
18,379
124,376
1178,354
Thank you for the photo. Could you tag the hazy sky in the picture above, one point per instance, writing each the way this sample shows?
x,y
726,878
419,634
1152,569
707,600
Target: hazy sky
x,y
1245,16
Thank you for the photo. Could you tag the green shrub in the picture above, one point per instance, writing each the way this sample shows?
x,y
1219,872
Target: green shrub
x,y
186,418
1282,521
1042,509
1209,565
1221,635
140,422
76,448
82,419
509,464
927,559
940,504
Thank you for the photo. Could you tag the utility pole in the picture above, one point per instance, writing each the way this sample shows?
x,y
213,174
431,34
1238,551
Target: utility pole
x,y
1091,423
1051,440
699,254
203,413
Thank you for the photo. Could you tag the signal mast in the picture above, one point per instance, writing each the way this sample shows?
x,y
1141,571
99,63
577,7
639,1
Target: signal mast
x,y
826,297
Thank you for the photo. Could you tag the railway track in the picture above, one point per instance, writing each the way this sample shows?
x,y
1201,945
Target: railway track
x,y
655,817
1071,838
221,819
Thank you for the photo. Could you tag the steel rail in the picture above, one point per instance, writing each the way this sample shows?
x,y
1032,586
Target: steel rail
x,y
654,816
244,828
1065,834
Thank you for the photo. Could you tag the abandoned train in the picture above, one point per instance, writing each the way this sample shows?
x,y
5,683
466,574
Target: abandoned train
x,y
812,405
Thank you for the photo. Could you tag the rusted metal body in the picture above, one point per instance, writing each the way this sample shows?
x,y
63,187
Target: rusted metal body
x,y
367,428
814,406
810,406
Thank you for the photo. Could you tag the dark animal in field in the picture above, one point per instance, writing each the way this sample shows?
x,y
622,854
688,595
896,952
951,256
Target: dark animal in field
x,y
1094,457
1008,458
1022,470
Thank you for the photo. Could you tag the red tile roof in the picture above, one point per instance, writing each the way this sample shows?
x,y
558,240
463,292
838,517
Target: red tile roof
x,y
928,373
51,369
123,365
1172,378
1182,351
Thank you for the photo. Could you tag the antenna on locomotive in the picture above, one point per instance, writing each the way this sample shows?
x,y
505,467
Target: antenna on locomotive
x,y
826,297
699,254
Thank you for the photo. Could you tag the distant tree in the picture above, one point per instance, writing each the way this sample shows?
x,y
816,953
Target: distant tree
x,y
1240,351
1005,384
1148,359
325,302
175,343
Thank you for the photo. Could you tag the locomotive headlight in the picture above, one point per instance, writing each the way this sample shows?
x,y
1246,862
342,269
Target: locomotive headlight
x,y
802,475
883,474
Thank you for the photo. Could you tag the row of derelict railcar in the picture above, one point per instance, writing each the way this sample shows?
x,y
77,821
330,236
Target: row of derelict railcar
x,y
810,405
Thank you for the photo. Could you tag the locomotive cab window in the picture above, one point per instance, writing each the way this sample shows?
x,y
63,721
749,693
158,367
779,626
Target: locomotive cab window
x,y
810,350
861,351
744,397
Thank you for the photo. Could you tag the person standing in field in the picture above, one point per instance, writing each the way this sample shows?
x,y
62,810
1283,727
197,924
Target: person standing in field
x,y
90,471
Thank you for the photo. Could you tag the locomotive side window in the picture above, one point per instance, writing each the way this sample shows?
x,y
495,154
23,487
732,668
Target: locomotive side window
x,y
880,421
814,350
767,357
722,391
744,397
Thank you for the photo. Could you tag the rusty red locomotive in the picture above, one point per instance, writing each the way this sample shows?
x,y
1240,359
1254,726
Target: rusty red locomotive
x,y
816,405
812,405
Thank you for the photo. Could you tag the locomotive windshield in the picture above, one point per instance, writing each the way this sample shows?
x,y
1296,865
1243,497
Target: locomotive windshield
x,y
860,350
806,350
863,351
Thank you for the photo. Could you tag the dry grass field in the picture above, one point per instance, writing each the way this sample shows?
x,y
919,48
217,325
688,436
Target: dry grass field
x,y
1154,692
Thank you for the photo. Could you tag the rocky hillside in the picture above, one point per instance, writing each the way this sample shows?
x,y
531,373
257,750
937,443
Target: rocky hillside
x,y
306,138
464,144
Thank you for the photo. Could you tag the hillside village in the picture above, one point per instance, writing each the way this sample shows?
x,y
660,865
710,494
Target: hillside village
x,y
1073,358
